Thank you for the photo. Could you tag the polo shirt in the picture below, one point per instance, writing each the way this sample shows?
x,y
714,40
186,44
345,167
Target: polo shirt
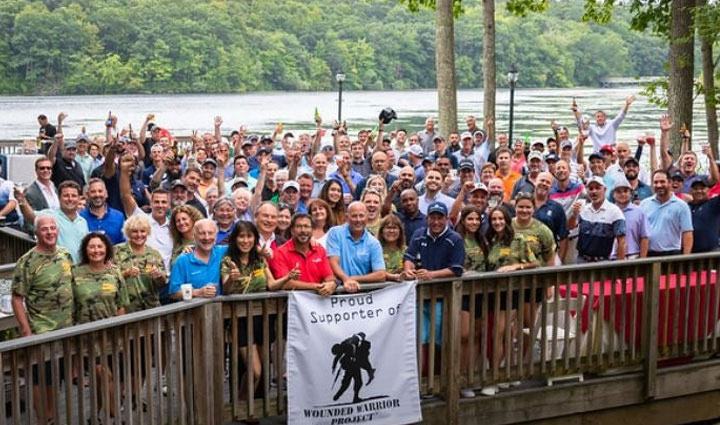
x,y
223,234
706,222
444,251
478,156
599,228
111,223
636,228
453,159
667,221
566,198
314,266
357,257
190,269
508,182
553,216
354,176
159,237
70,232
318,185
410,225
687,183
641,192
424,202
522,185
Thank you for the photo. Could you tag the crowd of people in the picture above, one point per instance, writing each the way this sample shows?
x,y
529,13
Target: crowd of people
x,y
123,219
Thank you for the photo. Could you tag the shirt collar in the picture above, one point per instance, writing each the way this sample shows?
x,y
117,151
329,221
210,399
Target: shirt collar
x,y
438,236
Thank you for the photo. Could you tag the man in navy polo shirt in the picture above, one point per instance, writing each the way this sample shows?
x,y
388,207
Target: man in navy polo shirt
x,y
434,252
409,213
200,268
355,255
98,214
705,217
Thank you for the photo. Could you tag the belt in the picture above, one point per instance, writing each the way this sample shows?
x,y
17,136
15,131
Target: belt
x,y
591,259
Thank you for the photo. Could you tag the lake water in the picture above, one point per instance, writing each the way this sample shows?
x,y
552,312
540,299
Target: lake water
x,y
534,109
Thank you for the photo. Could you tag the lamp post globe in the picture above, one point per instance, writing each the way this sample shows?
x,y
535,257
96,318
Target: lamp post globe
x,y
512,77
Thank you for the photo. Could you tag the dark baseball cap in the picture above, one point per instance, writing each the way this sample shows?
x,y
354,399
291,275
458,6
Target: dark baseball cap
x,y
466,164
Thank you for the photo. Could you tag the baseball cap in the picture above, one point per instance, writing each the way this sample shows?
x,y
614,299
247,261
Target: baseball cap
x,y
178,183
479,186
438,137
566,144
416,150
551,157
701,180
466,135
437,207
621,182
480,132
466,164
291,184
246,142
631,159
263,150
82,138
677,175
534,155
608,148
538,142
266,138
596,179
327,148
596,155
211,162
70,144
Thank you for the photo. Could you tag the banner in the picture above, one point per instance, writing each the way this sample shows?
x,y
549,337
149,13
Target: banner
x,y
351,359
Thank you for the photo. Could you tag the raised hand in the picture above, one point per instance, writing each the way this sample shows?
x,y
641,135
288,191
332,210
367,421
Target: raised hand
x,y
149,117
630,99
665,123
61,117
218,121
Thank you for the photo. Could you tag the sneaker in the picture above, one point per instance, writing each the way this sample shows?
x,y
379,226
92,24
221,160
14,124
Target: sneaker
x,y
467,393
490,390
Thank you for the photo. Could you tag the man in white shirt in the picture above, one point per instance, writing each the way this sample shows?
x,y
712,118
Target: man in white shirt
x,y
603,132
41,194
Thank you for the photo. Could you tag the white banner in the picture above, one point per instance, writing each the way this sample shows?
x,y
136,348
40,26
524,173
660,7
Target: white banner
x,y
351,359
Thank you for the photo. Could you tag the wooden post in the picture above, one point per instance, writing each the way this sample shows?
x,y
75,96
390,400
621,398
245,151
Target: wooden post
x,y
208,372
452,339
650,329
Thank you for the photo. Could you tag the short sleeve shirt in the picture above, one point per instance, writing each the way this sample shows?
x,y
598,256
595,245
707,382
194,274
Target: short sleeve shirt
x,y
45,282
357,257
517,252
252,276
539,238
474,257
142,290
314,266
445,251
98,295
668,221
190,269
393,260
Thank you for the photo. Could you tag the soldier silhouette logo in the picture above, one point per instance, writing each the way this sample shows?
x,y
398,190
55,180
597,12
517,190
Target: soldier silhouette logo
x,y
352,356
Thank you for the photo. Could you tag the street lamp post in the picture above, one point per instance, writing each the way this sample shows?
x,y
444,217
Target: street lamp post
x,y
512,78
340,78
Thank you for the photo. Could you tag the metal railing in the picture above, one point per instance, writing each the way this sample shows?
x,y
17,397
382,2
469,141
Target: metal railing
x,y
622,316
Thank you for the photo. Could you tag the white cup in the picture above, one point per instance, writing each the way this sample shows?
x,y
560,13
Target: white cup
x,y
186,289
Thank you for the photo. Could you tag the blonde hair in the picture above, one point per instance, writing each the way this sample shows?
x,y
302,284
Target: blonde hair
x,y
136,222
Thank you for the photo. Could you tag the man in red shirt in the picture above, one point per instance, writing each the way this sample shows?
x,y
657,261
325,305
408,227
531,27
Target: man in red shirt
x,y
310,258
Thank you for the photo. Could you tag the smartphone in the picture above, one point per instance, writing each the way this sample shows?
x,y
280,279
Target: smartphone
x,y
109,121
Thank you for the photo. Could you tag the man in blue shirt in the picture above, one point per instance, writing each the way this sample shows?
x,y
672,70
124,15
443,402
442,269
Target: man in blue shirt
x,y
200,268
705,217
409,213
355,255
434,252
671,227
98,214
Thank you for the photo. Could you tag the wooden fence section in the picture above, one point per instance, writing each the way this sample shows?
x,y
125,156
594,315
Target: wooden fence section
x,y
190,363
13,244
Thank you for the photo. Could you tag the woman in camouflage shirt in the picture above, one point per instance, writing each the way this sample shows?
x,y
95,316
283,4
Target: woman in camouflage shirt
x,y
182,220
242,271
142,266
100,293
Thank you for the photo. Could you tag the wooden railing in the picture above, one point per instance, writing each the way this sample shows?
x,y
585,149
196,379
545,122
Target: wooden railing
x,y
13,244
619,317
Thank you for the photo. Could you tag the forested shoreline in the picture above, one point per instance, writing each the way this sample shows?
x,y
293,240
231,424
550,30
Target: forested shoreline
x,y
233,46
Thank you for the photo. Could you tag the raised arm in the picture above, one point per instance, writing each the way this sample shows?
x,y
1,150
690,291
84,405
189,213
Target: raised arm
x,y
665,126
144,127
126,196
218,122
714,175
61,118
628,101
55,147
581,149
256,198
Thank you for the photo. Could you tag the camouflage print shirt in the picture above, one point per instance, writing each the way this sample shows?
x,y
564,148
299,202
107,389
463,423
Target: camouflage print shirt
x,y
98,295
474,257
252,277
178,250
518,252
539,237
142,290
44,281
393,259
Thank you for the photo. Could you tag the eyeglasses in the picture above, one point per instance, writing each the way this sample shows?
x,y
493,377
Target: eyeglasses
x,y
44,168
524,195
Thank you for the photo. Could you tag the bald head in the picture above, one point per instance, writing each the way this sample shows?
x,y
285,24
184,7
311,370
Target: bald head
x,y
357,216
